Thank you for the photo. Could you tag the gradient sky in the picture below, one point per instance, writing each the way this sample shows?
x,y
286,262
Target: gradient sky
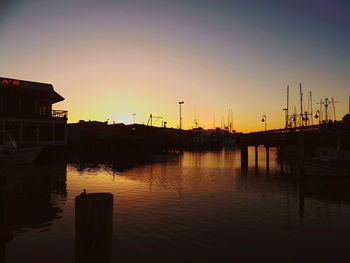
x,y
110,59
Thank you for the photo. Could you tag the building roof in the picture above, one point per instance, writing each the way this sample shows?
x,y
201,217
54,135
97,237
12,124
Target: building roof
x,y
30,88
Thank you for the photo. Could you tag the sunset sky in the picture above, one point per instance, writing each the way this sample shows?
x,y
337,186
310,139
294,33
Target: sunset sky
x,y
110,59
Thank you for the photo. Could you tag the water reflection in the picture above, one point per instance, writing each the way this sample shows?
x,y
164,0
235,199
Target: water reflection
x,y
195,207
31,199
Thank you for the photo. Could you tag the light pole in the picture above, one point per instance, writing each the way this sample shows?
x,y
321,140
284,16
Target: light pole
x,y
264,120
180,103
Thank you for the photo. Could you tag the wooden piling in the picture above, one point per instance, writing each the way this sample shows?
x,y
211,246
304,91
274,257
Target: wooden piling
x,y
93,227
244,158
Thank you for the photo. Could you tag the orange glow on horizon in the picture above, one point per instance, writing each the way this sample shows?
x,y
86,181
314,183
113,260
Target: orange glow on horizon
x,y
129,58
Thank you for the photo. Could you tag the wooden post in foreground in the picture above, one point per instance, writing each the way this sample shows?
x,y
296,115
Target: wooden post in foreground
x,y
93,227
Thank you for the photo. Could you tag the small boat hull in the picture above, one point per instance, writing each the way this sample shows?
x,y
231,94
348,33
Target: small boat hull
x,y
20,155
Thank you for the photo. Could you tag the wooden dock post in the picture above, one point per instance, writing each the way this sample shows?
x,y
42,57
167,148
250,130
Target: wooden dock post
x,y
244,158
93,227
267,159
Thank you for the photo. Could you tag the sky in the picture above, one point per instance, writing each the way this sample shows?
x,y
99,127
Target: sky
x,y
111,59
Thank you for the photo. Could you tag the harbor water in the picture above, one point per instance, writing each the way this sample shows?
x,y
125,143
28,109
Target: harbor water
x,y
187,207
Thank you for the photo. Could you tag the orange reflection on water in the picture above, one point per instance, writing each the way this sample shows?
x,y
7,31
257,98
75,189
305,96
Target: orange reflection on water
x,y
192,200
178,175
185,174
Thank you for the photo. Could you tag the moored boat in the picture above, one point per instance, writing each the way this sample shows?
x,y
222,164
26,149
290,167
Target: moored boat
x,y
12,154
328,161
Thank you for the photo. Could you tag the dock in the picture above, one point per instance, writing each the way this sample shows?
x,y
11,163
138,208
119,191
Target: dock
x,y
302,139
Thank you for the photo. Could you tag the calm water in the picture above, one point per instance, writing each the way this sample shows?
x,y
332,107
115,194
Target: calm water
x,y
193,207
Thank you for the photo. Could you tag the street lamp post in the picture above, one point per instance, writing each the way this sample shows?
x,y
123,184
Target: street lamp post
x,y
264,120
180,103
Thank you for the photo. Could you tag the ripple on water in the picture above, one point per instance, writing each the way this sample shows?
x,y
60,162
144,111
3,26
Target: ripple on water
x,y
195,207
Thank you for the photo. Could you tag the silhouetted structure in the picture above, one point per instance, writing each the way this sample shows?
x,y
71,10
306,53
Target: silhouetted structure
x,y
93,227
26,112
91,137
298,142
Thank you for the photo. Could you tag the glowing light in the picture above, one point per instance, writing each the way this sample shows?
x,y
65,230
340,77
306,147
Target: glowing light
x,y
5,82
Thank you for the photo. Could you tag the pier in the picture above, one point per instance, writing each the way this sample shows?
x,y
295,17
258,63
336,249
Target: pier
x,y
301,140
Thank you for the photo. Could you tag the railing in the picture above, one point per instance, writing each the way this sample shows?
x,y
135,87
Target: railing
x,y
59,114
310,128
42,113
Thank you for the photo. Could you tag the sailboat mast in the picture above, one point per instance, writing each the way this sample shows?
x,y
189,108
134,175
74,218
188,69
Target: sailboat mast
x,y
228,120
320,119
335,117
301,106
312,112
308,109
232,119
287,113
